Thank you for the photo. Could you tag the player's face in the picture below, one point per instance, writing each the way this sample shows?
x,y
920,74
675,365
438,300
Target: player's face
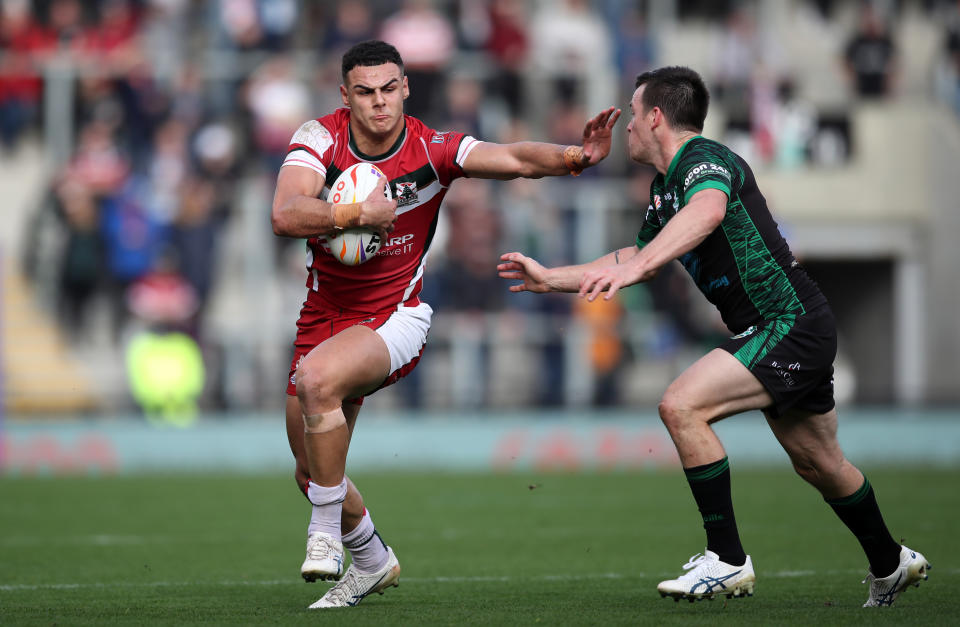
x,y
639,131
375,95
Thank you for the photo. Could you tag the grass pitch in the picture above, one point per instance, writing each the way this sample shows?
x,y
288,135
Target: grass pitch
x,y
517,549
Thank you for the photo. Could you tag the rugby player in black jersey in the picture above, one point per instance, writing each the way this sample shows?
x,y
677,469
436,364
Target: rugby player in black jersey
x,y
707,211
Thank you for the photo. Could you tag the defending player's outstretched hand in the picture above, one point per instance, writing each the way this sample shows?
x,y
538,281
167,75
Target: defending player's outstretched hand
x,y
519,267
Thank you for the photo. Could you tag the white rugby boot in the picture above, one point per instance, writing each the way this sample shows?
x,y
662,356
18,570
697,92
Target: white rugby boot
x,y
912,570
356,585
324,558
708,577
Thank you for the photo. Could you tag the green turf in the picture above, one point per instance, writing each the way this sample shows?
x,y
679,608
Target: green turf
x,y
512,549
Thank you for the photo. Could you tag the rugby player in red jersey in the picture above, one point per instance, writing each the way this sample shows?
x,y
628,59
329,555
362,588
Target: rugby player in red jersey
x,y
363,327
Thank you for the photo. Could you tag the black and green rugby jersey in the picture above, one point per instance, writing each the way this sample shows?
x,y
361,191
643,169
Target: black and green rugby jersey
x,y
744,267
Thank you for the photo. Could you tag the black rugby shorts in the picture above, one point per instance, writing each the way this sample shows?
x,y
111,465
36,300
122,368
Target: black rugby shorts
x,y
792,356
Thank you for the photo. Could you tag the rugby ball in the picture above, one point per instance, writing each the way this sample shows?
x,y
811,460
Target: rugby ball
x,y
354,246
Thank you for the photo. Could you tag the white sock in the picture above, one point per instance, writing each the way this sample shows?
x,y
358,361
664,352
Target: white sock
x,y
367,550
327,508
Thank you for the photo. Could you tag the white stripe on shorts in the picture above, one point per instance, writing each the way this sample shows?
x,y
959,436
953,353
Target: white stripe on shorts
x,y
405,333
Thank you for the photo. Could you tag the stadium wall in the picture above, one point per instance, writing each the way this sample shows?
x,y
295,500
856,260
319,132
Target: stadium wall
x,y
505,442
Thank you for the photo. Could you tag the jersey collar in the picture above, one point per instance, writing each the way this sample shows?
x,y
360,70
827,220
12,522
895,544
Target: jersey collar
x,y
676,157
389,153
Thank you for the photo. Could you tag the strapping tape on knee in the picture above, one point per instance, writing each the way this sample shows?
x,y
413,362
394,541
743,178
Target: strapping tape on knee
x,y
321,423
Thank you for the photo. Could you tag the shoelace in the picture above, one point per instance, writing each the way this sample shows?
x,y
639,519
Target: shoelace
x,y
345,590
319,548
695,560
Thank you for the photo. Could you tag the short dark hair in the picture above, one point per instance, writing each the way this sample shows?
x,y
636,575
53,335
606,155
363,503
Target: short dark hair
x,y
679,92
368,53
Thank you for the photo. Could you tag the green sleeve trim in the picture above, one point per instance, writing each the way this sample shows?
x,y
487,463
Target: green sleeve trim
x,y
723,187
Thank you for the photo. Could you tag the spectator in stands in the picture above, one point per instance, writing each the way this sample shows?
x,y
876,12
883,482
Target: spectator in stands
x,y
80,264
278,22
606,350
113,38
507,45
743,54
278,102
472,247
352,22
167,169
951,48
635,48
463,98
870,58
164,363
427,43
68,24
237,24
24,43
569,43
194,237
132,240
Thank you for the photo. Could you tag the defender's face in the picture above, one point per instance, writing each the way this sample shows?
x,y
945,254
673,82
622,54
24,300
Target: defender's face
x,y
639,130
375,95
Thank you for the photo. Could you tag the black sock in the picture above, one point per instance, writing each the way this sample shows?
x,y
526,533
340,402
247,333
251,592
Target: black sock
x,y
710,484
861,514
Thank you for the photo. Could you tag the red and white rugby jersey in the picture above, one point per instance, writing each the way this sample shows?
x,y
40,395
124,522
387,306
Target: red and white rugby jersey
x,y
420,166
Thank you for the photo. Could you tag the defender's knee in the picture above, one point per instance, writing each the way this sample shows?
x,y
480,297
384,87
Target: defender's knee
x,y
674,412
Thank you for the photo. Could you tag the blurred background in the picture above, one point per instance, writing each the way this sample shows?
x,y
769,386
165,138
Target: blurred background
x,y
144,294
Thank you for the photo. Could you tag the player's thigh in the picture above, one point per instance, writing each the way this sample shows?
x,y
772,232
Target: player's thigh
x,y
716,386
349,364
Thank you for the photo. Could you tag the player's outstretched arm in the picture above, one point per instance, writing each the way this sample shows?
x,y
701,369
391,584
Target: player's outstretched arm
x,y
694,223
530,159
297,212
538,279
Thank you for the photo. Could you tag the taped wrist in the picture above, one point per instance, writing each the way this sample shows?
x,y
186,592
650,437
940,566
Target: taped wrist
x,y
346,215
574,160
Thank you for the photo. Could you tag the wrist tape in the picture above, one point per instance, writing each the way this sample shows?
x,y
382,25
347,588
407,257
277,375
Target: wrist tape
x,y
346,215
574,160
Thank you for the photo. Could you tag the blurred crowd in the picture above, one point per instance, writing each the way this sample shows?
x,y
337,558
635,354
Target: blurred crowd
x,y
175,102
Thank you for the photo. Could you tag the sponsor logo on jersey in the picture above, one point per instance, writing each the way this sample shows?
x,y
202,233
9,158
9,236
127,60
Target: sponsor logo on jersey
x,y
705,169
438,138
749,331
406,194
397,245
